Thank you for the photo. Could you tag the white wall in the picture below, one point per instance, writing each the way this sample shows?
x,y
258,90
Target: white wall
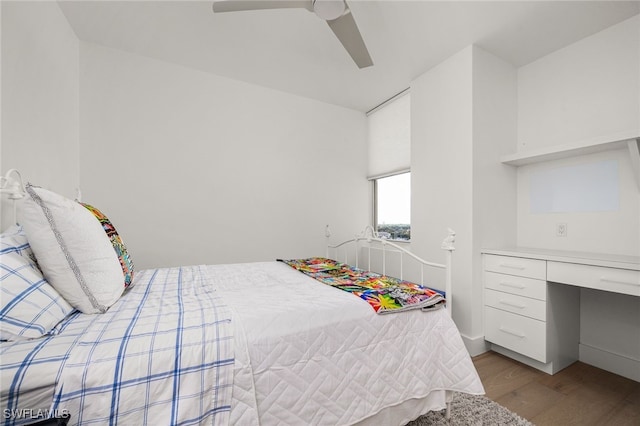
x,y
39,135
585,91
155,137
494,184
441,171
615,230
589,90
195,168
462,120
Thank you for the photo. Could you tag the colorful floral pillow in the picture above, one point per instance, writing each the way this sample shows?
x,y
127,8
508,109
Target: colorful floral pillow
x,y
116,241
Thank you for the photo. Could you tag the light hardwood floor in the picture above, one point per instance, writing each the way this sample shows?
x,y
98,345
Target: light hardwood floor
x,y
578,395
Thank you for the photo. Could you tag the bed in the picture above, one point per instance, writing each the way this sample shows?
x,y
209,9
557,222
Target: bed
x,y
242,344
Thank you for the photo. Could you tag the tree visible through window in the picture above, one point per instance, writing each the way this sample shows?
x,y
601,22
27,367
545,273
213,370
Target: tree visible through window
x,y
393,206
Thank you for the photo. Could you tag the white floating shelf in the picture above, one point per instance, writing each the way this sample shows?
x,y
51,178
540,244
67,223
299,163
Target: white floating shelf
x,y
566,150
628,141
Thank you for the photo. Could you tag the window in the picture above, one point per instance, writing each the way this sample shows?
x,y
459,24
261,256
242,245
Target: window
x,y
389,152
392,206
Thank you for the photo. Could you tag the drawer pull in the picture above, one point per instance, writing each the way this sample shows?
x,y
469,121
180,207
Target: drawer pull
x,y
609,280
513,333
512,266
515,305
512,285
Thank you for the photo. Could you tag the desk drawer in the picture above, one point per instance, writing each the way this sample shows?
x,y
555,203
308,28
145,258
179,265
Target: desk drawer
x,y
531,268
521,286
532,308
524,335
616,280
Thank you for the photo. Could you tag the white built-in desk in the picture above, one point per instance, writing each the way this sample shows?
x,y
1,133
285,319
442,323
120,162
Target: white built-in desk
x,y
532,299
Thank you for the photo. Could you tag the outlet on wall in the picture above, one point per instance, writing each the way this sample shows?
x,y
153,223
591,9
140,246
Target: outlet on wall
x,y
561,229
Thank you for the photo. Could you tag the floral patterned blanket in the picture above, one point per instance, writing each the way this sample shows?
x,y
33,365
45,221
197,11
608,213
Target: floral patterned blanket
x,y
384,294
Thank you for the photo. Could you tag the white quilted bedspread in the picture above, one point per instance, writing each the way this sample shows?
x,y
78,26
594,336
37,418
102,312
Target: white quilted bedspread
x,y
309,354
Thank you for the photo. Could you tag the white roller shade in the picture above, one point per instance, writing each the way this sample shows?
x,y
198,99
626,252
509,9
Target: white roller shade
x,y
390,137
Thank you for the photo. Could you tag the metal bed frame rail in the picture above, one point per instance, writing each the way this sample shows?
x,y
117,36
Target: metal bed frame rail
x,y
373,241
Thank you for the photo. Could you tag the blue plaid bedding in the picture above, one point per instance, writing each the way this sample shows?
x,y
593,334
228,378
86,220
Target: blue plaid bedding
x,y
163,354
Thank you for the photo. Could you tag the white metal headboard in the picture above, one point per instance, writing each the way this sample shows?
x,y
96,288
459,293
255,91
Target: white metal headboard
x,y
13,187
371,237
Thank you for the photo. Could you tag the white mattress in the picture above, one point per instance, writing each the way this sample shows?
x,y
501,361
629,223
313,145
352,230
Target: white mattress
x,y
307,353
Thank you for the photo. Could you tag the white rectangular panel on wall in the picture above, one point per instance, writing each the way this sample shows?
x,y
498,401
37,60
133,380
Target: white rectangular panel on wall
x,y
590,187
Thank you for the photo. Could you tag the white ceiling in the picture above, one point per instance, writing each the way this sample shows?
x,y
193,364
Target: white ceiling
x,y
295,51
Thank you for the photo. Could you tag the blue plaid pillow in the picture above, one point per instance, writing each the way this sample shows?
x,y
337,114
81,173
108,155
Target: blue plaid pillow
x,y
29,306
14,240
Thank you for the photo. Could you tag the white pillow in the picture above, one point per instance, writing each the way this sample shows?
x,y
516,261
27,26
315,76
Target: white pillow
x,y
29,306
72,249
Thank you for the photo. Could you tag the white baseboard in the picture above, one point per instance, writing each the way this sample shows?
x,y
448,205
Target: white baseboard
x,y
618,364
475,345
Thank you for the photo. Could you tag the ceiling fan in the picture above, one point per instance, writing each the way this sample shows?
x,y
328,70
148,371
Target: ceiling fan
x,y
335,12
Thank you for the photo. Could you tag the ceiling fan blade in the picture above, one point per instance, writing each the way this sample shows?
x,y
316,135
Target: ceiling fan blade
x,y
240,5
346,30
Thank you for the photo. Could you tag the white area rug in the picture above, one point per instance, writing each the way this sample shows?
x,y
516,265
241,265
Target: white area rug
x,y
473,410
